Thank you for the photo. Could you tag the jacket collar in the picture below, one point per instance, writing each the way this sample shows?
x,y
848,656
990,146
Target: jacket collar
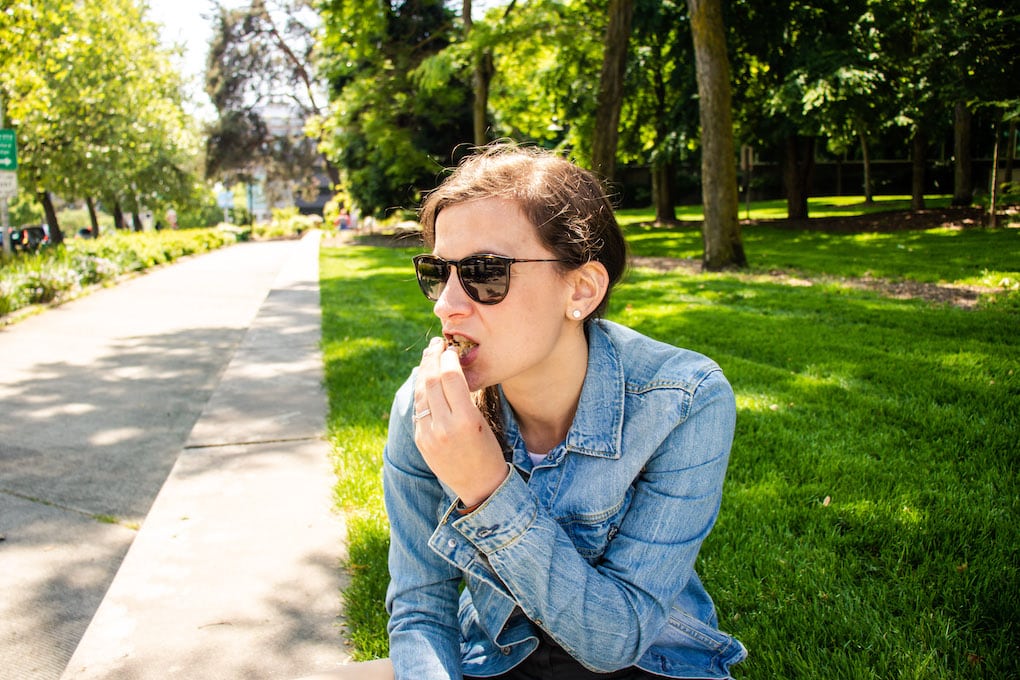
x,y
597,429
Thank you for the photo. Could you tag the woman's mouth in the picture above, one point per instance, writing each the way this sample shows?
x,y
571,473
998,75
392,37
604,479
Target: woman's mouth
x,y
461,345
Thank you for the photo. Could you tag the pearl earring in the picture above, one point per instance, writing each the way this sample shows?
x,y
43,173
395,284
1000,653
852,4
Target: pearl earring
x,y
576,313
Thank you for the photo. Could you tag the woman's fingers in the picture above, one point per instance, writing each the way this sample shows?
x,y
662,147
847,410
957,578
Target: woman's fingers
x,y
428,372
451,433
442,388
454,384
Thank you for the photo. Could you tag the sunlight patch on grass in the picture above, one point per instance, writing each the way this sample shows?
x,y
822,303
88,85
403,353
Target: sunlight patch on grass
x,y
777,209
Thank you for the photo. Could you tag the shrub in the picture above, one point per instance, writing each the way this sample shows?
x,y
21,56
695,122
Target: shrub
x,y
286,223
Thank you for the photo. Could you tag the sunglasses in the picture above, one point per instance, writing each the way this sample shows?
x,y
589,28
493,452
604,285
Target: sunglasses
x,y
485,278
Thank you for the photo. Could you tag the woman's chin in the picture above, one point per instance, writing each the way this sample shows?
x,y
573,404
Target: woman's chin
x,y
476,380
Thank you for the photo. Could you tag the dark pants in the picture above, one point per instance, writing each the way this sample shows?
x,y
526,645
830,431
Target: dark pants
x,y
551,662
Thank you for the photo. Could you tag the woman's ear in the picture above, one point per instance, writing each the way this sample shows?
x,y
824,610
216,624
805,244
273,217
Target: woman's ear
x,y
589,282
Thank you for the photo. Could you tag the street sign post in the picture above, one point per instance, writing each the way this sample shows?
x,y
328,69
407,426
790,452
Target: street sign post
x,y
8,150
8,184
8,153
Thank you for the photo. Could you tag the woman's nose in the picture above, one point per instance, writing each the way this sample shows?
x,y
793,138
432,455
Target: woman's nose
x,y
453,300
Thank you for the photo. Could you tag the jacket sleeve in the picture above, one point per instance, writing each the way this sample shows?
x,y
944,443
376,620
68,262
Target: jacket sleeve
x,y
422,597
606,615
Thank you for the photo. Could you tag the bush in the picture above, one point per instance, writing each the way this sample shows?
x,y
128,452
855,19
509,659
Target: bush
x,y
74,219
286,223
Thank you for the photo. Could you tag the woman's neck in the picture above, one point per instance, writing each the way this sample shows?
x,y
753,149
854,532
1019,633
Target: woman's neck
x,y
545,403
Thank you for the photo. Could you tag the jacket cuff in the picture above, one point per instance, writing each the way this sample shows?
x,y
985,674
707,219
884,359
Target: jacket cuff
x,y
501,518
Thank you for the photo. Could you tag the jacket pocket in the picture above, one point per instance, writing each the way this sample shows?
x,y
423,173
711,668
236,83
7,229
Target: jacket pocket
x,y
591,533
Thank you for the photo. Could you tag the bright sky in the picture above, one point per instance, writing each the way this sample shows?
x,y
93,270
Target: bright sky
x,y
183,23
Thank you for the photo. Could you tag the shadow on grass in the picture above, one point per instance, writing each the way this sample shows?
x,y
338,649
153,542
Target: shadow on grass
x,y
929,255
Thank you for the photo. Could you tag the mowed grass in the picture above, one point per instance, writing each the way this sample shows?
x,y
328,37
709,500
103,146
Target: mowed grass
x,y
869,518
818,206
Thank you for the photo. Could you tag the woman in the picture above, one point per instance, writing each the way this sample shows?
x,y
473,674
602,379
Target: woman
x,y
565,469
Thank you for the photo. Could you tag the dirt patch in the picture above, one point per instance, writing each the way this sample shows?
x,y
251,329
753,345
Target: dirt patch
x,y
964,297
886,222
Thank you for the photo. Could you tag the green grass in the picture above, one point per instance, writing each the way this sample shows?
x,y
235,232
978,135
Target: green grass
x,y
374,325
818,206
869,518
987,257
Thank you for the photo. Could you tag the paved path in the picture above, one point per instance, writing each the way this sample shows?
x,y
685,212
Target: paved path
x,y
187,402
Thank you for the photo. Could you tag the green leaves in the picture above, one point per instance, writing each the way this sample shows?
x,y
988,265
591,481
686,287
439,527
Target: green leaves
x,y
398,109
96,102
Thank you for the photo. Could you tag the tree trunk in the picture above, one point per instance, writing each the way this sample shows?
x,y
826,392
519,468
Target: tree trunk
x,y
482,77
993,194
610,95
963,184
118,216
917,174
866,159
1010,152
798,168
662,193
839,175
56,235
93,218
721,230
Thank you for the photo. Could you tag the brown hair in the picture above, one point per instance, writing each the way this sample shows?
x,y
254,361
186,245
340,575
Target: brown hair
x,y
568,205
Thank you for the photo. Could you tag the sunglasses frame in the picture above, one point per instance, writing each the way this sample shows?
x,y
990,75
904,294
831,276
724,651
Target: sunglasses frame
x,y
469,286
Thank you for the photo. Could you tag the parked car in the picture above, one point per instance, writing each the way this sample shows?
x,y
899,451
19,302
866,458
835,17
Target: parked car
x,y
29,238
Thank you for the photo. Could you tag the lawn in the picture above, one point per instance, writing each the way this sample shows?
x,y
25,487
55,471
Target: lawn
x,y
818,206
869,518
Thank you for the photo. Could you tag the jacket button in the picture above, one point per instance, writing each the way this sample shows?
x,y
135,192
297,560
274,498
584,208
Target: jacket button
x,y
451,543
505,650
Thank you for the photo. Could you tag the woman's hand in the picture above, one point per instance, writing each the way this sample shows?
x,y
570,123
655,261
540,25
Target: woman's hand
x,y
451,433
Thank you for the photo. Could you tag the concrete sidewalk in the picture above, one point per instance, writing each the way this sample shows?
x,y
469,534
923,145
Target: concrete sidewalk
x,y
194,382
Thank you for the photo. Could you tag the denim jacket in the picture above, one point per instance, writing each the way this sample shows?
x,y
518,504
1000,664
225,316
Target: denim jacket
x,y
596,544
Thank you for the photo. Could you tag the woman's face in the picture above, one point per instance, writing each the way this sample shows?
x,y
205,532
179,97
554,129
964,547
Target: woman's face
x,y
518,338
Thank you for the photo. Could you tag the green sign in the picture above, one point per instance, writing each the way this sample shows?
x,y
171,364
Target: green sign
x,y
8,150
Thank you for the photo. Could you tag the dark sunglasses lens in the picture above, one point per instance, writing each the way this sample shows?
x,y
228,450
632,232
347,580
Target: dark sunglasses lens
x,y
485,279
432,275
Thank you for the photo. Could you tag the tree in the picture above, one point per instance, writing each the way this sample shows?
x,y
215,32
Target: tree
x,y
483,71
549,54
963,183
851,95
389,136
610,94
659,127
260,78
789,57
978,41
97,105
721,231
914,48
